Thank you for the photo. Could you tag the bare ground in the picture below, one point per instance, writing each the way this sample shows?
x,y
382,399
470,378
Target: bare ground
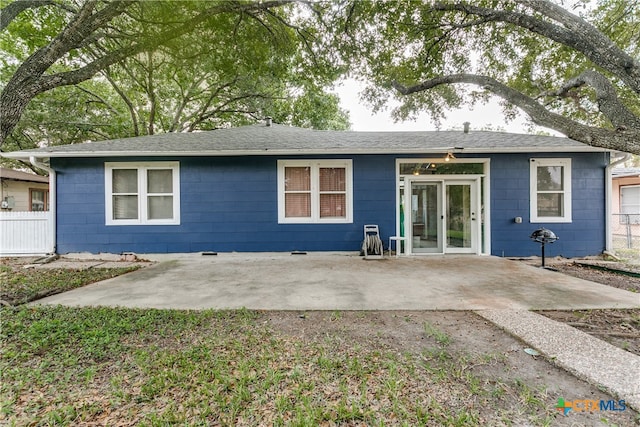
x,y
618,327
496,358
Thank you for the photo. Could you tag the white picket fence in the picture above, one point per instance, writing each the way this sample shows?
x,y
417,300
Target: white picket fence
x,y
25,233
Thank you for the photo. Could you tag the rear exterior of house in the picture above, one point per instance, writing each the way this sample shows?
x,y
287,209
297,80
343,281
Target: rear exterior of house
x,y
274,188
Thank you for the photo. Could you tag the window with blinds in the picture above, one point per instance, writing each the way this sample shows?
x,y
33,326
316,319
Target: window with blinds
x,y
297,192
142,193
333,193
314,191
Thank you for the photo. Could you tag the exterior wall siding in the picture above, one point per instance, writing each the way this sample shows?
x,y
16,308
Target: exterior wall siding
x,y
584,235
230,204
227,204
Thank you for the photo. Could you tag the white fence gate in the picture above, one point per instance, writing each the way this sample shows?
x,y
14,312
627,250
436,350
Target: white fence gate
x,y
25,233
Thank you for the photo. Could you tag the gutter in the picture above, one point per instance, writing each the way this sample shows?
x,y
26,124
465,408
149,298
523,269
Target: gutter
x,y
51,247
302,151
608,188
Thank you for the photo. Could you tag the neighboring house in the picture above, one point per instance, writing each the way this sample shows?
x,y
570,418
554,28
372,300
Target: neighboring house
x,y
625,208
280,188
22,191
626,192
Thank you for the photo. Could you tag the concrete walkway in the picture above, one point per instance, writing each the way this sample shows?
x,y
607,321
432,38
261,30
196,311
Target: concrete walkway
x,y
585,356
339,281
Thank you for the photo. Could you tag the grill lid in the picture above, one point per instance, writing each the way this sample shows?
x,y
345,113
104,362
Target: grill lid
x,y
543,235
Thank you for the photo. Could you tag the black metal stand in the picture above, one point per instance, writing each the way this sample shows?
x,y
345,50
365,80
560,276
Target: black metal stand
x,y
543,236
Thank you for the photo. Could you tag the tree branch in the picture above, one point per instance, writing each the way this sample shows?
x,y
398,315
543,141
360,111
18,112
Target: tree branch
x,y
186,97
99,99
76,76
592,42
574,32
30,80
620,139
608,103
13,9
27,81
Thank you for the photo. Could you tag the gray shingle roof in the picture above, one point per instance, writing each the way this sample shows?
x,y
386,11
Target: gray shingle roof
x,y
625,172
15,175
280,139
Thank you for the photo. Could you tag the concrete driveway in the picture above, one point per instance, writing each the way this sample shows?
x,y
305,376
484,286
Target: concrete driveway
x,y
339,281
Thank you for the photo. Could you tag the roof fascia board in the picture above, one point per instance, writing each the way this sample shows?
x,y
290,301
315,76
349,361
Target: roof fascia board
x,y
6,178
21,155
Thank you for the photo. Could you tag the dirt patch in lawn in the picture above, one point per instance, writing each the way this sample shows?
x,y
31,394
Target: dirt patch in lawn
x,y
603,272
480,354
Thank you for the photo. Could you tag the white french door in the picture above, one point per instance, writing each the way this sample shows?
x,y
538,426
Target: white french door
x,y
442,216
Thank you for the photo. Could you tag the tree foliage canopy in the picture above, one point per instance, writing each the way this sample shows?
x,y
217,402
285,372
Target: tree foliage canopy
x,y
573,70
75,70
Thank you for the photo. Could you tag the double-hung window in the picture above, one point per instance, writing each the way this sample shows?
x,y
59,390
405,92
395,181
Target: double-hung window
x,y
142,193
38,200
550,190
315,191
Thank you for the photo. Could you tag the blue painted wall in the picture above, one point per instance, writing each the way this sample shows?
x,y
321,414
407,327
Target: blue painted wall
x,y
227,204
230,204
585,235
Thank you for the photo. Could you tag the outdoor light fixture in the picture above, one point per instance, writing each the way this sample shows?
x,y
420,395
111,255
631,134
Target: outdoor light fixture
x,y
449,157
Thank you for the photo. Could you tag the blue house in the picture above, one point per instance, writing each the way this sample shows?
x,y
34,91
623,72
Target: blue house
x,y
271,187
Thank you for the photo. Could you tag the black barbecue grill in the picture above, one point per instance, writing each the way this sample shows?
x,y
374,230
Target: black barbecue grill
x,y
543,236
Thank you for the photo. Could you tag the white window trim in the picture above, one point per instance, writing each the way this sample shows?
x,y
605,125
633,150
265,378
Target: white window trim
x,y
315,166
142,168
627,208
533,197
624,189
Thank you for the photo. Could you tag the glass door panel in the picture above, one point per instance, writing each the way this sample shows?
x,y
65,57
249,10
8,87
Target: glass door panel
x,y
460,214
426,217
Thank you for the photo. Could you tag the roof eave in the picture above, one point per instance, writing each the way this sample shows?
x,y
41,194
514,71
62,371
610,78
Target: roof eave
x,y
632,175
35,181
25,155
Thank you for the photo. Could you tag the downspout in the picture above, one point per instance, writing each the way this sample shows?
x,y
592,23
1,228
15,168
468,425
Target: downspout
x,y
608,190
52,201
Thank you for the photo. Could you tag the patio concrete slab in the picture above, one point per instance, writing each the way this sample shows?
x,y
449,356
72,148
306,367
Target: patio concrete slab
x,y
344,281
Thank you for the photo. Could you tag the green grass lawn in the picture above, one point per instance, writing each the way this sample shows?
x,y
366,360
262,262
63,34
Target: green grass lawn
x,y
109,366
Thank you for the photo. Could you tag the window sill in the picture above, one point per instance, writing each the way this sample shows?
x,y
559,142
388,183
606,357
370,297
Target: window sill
x,y
128,223
311,221
550,220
